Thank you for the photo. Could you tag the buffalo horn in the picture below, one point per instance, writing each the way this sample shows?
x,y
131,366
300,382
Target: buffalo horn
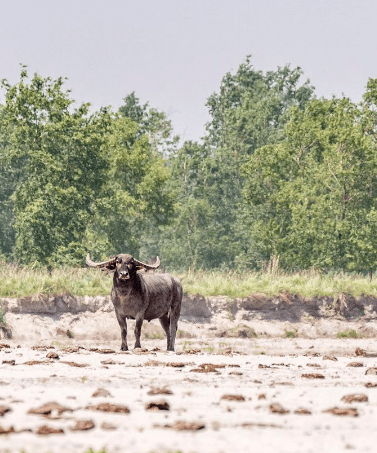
x,y
91,263
155,265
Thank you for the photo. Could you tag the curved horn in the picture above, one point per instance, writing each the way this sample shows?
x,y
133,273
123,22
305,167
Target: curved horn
x,y
155,264
91,263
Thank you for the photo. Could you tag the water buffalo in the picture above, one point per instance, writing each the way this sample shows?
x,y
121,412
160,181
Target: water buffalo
x,y
139,295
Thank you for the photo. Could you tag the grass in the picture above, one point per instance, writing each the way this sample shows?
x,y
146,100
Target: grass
x,y
348,334
22,282
291,333
2,317
307,284
154,335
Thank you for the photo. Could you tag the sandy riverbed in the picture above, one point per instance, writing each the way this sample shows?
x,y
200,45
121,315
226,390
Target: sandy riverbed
x,y
279,390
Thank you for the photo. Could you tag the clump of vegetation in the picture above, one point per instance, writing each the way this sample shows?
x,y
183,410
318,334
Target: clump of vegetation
x,y
2,317
18,281
154,335
348,333
291,333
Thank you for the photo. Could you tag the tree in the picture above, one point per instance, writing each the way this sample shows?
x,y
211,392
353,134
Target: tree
x,y
312,196
249,111
57,149
135,201
9,177
152,122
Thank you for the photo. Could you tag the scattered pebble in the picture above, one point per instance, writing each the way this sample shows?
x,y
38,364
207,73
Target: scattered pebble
x,y
348,411
108,426
313,376
75,364
9,362
302,411
48,408
4,410
355,398
44,430
157,406
183,426
276,408
160,391
101,393
330,357
107,407
233,398
7,430
83,425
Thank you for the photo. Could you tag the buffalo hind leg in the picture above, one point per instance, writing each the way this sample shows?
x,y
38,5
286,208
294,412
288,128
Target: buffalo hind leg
x,y
175,312
165,324
138,325
123,331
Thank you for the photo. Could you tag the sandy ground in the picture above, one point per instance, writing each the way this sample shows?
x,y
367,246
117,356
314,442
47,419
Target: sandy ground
x,y
226,395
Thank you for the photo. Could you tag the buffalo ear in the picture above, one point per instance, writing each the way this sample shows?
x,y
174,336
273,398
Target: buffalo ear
x,y
111,266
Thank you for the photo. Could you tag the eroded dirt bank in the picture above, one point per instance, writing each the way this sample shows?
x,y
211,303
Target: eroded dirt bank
x,y
93,318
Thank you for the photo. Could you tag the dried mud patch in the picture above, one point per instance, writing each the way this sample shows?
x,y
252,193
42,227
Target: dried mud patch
x,y
160,391
44,430
230,397
107,407
75,364
8,430
157,406
343,412
312,376
277,408
101,393
183,426
355,398
49,409
83,425
4,410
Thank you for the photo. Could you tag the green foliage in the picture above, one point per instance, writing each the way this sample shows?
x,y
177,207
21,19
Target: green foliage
x,y
249,111
151,122
136,198
281,180
16,281
103,450
58,153
348,334
291,333
312,196
3,321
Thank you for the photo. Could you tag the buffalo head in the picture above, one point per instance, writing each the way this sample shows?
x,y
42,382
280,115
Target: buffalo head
x,y
124,264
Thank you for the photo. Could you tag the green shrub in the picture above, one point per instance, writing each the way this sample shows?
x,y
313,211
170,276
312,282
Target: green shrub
x,y
291,333
348,333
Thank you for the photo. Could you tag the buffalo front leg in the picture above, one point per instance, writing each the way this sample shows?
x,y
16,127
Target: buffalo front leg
x,y
122,320
138,325
165,324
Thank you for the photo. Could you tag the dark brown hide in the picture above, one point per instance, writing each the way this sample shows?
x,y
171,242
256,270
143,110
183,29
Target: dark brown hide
x,y
140,295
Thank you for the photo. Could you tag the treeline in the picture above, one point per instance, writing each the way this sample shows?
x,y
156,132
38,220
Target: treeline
x,y
279,173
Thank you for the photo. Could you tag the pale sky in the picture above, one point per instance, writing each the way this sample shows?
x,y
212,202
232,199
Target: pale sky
x,y
174,53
